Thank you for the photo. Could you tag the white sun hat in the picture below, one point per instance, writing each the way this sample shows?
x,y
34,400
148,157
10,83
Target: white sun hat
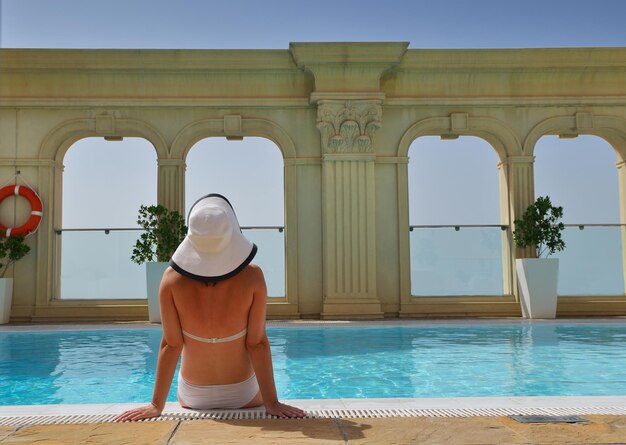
x,y
214,248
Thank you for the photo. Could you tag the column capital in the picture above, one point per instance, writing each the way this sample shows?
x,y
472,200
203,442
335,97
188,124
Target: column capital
x,y
517,160
347,126
171,162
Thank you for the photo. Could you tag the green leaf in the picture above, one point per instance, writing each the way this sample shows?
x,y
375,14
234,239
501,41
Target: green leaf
x,y
12,249
164,231
540,228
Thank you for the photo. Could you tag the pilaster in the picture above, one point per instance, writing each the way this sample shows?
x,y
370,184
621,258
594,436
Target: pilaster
x,y
517,175
171,184
621,178
349,211
521,193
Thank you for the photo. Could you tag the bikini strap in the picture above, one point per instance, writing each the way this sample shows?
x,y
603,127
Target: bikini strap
x,y
217,339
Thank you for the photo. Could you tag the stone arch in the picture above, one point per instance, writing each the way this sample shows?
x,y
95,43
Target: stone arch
x,y
63,136
497,134
201,129
610,128
236,126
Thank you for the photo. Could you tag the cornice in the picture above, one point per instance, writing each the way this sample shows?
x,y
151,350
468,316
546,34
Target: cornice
x,y
514,59
144,60
313,53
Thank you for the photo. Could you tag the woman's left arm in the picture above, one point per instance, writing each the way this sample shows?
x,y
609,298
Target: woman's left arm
x,y
169,352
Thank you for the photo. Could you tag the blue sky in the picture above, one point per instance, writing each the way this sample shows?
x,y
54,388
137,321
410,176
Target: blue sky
x,y
273,24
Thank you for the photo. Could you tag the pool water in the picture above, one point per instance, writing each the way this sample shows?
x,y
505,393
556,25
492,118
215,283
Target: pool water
x,y
341,362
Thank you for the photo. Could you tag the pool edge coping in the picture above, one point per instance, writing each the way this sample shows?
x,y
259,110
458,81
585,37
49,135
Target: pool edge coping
x,y
336,408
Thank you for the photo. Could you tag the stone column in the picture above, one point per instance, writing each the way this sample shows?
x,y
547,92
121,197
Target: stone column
x,y
521,193
348,200
171,184
517,178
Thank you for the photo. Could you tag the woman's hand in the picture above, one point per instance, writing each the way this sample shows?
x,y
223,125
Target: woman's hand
x,y
145,412
281,410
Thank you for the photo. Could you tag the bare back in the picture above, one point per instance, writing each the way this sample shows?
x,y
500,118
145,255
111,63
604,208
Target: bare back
x,y
214,311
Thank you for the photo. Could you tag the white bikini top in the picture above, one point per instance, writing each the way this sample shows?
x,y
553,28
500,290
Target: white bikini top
x,y
217,339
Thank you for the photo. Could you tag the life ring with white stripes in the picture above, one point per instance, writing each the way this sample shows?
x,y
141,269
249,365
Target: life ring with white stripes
x,y
36,210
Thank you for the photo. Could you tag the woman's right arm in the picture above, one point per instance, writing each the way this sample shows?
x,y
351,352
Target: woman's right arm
x,y
259,350
169,353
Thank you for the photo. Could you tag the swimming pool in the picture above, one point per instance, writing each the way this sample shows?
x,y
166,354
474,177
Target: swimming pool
x,y
70,367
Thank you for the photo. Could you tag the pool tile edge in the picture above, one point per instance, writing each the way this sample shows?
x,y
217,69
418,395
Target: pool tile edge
x,y
438,407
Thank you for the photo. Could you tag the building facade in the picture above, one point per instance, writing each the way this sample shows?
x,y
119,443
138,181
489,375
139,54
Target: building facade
x,y
343,116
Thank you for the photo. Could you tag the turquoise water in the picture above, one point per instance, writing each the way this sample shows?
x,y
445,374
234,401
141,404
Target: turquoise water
x,y
346,362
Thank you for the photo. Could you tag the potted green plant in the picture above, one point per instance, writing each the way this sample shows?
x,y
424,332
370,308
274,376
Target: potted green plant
x,y
539,228
12,249
164,230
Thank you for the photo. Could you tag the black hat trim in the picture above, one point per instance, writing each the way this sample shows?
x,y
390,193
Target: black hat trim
x,y
204,279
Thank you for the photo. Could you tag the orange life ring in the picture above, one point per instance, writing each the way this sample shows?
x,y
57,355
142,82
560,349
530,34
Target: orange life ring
x,y
36,210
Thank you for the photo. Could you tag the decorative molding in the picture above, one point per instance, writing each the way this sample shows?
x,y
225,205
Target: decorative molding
x,y
203,128
30,163
499,135
348,126
584,121
171,162
503,101
392,160
232,125
105,124
610,128
56,143
459,122
518,160
157,102
340,95
303,161
370,156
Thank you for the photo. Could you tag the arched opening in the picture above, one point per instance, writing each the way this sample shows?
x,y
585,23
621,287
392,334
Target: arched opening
x,y
454,216
580,175
250,174
104,183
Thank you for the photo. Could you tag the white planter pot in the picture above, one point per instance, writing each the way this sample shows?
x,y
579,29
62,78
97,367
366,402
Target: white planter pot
x,y
154,273
537,278
6,298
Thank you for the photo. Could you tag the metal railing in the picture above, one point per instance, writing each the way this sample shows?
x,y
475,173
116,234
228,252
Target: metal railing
x,y
447,263
458,259
94,263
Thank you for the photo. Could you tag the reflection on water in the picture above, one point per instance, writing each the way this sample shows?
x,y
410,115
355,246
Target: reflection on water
x,y
77,367
436,361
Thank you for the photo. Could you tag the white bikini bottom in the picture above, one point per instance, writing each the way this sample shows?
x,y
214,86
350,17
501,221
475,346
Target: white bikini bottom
x,y
234,395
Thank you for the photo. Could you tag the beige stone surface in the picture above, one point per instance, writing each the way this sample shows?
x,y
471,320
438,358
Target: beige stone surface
x,y
138,433
292,432
6,431
600,430
387,431
428,430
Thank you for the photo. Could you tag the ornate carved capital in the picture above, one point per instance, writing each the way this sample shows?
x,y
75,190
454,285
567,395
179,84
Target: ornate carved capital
x,y
347,126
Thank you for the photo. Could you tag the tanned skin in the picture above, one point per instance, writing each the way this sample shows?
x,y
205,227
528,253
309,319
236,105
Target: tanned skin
x,y
214,310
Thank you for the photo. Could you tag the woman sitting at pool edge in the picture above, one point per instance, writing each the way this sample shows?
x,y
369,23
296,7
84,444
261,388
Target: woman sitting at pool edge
x,y
213,304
